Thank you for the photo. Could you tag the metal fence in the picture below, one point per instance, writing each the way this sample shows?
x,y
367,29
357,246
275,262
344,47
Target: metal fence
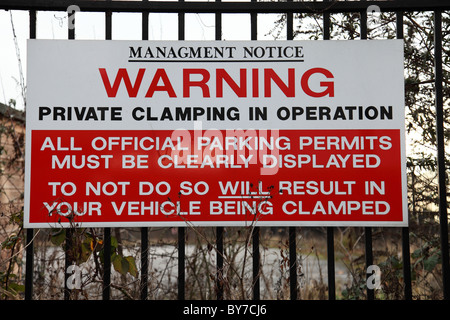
x,y
253,8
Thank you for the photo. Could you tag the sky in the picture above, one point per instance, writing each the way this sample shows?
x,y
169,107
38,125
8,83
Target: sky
x,y
91,25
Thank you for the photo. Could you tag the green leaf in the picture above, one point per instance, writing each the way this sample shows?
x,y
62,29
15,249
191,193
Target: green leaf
x,y
10,242
120,264
85,251
431,262
132,269
58,237
417,253
17,287
345,294
114,243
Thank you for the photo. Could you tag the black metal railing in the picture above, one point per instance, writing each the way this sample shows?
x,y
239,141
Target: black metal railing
x,y
253,8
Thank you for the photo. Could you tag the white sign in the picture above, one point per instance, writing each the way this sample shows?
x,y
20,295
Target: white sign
x,y
145,133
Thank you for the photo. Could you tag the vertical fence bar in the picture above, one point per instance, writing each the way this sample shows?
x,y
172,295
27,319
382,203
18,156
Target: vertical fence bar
x,y
219,262
363,25
218,29
369,257
68,261
107,231
71,28
144,263
292,231
443,215
181,230
219,230
181,24
330,230
29,264
405,230
144,230
29,253
145,23
181,263
32,25
256,232
293,287
406,263
331,264
367,230
69,231
256,264
108,24
106,264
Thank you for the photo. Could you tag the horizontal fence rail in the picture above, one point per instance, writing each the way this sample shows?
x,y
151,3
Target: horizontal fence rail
x,y
229,7
254,8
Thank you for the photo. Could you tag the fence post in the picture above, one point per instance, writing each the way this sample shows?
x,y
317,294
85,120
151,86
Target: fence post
x,y
443,214
107,231
331,269
68,261
219,230
29,264
69,231
256,264
219,262
107,263
405,230
367,230
292,231
181,263
144,230
181,230
144,263
255,234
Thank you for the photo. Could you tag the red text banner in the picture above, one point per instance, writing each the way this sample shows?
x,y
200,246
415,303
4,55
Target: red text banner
x,y
216,177
208,133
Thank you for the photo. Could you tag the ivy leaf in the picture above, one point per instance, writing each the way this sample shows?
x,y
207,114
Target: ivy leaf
x,y
431,262
120,264
58,237
416,254
10,242
114,243
17,287
85,250
132,269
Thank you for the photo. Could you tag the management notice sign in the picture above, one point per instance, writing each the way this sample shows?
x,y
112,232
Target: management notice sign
x,y
145,133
